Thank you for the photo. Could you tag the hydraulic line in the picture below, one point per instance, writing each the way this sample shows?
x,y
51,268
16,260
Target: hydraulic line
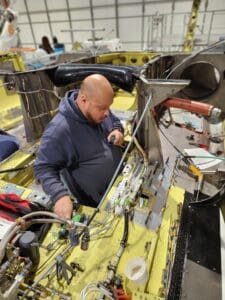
x,y
48,289
49,269
141,150
204,109
15,227
4,267
47,214
113,266
37,221
104,288
19,278
7,237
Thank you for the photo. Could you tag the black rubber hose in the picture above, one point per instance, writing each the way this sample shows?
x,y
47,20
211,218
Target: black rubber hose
x,y
122,76
126,228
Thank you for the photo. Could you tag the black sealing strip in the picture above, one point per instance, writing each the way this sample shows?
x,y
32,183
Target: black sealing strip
x,y
204,238
181,248
198,240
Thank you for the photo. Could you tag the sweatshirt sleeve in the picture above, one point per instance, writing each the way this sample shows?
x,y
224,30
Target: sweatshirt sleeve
x,y
51,159
113,122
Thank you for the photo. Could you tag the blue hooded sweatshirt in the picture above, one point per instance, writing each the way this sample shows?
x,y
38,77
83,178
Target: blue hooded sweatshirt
x,y
8,145
73,144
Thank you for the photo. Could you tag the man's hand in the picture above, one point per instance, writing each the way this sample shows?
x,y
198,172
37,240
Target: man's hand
x,y
116,137
64,207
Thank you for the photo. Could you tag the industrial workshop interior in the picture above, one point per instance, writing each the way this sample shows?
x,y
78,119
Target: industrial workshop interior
x,y
112,161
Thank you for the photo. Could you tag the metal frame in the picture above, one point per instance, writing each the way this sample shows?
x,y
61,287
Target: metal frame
x,y
48,17
70,21
29,19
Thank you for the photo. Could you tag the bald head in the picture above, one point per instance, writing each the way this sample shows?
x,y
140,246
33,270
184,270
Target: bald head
x,y
95,85
95,97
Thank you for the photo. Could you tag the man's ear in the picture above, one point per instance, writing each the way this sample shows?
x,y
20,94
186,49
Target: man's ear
x,y
83,98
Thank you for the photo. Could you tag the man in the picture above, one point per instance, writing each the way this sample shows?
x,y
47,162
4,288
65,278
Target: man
x,y
76,144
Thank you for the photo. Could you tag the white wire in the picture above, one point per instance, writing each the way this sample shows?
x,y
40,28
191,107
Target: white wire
x,y
93,287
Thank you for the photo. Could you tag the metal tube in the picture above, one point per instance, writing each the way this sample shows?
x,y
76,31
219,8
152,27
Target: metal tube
x,y
69,18
126,151
210,27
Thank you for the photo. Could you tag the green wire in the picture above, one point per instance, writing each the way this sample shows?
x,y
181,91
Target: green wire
x,y
203,156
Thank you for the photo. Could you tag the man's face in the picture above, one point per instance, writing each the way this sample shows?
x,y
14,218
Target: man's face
x,y
97,110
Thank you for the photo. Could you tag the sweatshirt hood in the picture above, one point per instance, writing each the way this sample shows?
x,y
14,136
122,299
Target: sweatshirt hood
x,y
69,108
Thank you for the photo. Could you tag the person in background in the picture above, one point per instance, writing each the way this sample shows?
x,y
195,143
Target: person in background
x,y
81,147
58,47
46,45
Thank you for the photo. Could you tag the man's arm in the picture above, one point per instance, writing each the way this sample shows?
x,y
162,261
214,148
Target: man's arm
x,y
116,137
51,159
116,130
116,124
64,207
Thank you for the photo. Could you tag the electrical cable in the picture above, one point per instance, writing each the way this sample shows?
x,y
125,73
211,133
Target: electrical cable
x,y
175,147
141,150
194,55
38,91
6,83
93,287
104,228
16,169
205,156
190,156
210,201
49,269
126,228
31,92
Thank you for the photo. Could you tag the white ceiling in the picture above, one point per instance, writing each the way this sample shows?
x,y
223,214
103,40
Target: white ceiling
x,y
140,24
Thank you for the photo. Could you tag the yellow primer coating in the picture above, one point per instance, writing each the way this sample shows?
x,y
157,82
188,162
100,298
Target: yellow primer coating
x,y
17,159
126,58
10,109
155,247
124,101
171,214
148,244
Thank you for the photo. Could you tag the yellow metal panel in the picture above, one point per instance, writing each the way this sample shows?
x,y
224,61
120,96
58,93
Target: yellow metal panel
x,y
189,38
24,191
126,58
171,214
104,246
143,296
10,109
102,250
18,159
155,247
124,101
